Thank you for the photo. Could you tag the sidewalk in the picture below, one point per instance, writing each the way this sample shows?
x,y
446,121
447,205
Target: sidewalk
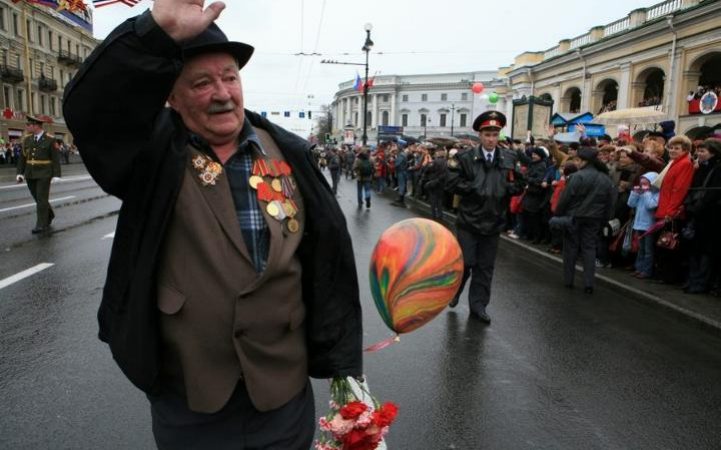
x,y
702,310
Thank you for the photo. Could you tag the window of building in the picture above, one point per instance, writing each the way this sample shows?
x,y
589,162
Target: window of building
x,y
51,71
444,97
463,119
40,35
355,119
62,78
4,57
424,97
16,27
385,98
385,118
20,100
18,63
42,68
69,45
404,120
464,96
6,97
43,104
77,49
30,30
3,11
53,107
424,120
60,42
443,120
33,102
50,40
404,98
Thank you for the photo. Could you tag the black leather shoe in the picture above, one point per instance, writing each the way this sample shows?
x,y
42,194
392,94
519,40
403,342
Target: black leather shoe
x,y
588,290
481,315
38,230
454,302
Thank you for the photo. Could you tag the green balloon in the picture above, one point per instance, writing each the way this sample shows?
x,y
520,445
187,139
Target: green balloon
x,y
493,97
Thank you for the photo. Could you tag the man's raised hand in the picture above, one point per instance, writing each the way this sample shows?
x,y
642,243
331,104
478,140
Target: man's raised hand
x,y
185,19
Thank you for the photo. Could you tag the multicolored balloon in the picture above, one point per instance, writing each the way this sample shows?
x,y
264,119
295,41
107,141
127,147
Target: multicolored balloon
x,y
415,271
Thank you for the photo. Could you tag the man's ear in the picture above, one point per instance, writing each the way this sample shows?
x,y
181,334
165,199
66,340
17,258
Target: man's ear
x,y
171,101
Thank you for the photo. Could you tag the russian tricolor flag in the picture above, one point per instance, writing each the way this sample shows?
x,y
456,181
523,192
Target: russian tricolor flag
x,y
358,86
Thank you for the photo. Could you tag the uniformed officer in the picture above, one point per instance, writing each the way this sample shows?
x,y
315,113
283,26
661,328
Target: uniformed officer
x,y
39,163
485,178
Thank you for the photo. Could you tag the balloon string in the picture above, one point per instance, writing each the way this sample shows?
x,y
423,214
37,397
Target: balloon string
x,y
383,344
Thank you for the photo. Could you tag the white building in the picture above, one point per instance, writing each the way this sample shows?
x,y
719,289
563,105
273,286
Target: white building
x,y
423,104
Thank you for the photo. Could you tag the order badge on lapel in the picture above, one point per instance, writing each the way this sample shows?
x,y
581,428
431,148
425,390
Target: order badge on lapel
x,y
209,170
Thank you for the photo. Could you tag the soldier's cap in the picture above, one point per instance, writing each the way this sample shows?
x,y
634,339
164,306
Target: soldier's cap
x,y
493,120
213,40
33,120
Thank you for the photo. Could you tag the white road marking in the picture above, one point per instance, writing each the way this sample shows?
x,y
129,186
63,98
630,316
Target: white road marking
x,y
54,181
28,205
24,274
108,236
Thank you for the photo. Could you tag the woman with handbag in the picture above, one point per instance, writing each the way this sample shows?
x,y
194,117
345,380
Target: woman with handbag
x,y
674,180
704,214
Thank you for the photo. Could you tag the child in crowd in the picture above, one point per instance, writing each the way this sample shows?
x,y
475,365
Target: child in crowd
x,y
644,198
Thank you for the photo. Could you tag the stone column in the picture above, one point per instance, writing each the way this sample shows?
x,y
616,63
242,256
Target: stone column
x,y
624,91
374,112
393,121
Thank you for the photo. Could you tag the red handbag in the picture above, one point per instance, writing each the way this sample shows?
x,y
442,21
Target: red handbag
x,y
516,206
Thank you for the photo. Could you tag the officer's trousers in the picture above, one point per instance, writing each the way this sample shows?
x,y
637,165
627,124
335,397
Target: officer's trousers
x,y
479,257
40,190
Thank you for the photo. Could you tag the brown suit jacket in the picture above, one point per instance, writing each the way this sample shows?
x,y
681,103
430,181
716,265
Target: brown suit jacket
x,y
222,321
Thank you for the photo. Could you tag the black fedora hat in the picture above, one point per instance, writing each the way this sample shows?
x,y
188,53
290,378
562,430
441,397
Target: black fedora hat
x,y
213,40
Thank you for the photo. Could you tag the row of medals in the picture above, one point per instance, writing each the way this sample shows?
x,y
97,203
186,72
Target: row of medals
x,y
274,184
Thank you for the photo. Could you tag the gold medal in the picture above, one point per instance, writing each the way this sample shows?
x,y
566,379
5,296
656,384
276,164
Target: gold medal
x,y
288,208
272,209
276,185
254,181
293,225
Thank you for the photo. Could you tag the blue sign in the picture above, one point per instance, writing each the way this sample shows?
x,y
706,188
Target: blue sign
x,y
386,129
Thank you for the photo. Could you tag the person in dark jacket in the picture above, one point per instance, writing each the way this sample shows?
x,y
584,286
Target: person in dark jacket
x,y
401,165
589,198
485,178
435,183
703,209
334,168
221,298
533,200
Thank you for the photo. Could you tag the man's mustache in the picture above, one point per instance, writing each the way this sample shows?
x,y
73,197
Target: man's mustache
x,y
218,107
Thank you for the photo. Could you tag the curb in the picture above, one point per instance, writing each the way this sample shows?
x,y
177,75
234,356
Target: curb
x,y
706,323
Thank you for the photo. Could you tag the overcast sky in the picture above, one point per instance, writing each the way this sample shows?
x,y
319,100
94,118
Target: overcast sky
x,y
411,36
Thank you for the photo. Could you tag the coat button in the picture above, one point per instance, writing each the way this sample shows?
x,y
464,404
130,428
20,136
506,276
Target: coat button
x,y
238,333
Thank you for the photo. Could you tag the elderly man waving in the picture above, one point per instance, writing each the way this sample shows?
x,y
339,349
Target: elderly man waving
x,y
232,276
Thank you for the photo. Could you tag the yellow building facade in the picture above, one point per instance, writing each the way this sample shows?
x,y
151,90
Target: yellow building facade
x,y
652,58
41,49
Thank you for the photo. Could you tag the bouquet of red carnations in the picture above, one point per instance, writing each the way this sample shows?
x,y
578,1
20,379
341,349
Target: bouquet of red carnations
x,y
356,420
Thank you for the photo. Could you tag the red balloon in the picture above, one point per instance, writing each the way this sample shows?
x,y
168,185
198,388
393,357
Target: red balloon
x,y
477,88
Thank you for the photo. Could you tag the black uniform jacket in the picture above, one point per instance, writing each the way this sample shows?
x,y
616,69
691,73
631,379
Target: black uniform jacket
x,y
485,189
135,149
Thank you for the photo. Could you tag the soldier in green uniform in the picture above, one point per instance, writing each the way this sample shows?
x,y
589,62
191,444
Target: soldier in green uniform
x,y
39,163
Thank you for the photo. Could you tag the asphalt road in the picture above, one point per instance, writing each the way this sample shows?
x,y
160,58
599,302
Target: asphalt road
x,y
557,369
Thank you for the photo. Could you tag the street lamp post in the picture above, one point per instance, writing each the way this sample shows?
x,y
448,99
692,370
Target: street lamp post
x,y
366,48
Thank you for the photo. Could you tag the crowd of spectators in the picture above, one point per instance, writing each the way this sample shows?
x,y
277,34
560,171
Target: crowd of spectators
x,y
666,188
609,106
650,101
701,90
